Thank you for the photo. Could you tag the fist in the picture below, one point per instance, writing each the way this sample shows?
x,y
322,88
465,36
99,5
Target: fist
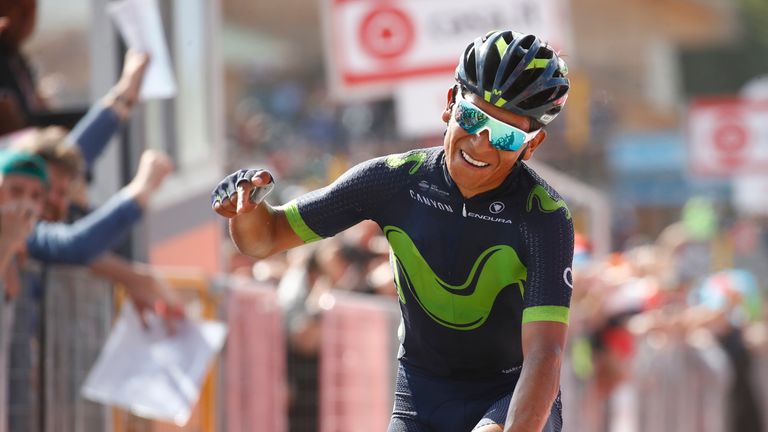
x,y
241,192
154,167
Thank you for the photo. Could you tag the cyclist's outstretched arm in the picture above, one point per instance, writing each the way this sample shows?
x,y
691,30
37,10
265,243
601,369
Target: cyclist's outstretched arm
x,y
257,229
543,345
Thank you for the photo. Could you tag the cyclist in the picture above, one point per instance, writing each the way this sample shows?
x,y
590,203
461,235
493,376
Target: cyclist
x,y
481,246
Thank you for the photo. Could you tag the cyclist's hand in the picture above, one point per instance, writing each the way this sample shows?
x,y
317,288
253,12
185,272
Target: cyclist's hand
x,y
241,192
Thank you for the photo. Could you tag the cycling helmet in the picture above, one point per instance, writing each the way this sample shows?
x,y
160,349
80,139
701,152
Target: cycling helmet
x,y
516,72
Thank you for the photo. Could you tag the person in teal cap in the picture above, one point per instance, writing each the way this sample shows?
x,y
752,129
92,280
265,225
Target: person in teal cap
x,y
23,183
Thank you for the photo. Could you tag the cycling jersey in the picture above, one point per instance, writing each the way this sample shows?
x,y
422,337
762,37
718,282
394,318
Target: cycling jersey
x,y
469,271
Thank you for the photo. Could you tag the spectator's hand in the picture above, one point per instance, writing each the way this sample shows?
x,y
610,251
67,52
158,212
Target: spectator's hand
x,y
16,222
241,192
150,294
154,167
4,22
125,93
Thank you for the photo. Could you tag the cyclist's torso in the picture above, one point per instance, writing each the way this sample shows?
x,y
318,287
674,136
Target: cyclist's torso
x,y
469,272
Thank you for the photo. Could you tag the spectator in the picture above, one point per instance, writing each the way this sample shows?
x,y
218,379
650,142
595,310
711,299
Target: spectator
x,y
22,191
20,102
86,241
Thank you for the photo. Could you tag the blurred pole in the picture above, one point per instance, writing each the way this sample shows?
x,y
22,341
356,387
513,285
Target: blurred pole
x,y
596,202
104,71
578,131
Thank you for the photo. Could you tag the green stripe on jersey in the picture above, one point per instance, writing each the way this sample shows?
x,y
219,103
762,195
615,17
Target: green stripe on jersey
x,y
297,223
546,313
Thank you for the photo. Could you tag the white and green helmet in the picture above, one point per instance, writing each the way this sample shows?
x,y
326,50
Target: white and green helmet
x,y
516,72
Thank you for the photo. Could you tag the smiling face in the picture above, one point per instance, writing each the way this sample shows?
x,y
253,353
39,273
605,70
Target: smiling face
x,y
473,163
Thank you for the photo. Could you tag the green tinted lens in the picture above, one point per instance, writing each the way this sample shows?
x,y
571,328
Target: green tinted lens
x,y
469,117
504,136
473,120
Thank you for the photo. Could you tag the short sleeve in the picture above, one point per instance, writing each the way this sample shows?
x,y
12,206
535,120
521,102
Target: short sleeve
x,y
547,231
359,194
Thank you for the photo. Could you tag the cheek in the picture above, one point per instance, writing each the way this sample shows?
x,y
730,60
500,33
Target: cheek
x,y
507,159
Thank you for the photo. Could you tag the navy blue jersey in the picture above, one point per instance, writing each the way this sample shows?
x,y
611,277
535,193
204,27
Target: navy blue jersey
x,y
469,272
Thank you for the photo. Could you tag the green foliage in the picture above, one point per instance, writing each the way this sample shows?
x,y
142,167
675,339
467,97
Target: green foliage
x,y
756,17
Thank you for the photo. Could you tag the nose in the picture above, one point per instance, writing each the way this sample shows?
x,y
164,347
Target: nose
x,y
482,140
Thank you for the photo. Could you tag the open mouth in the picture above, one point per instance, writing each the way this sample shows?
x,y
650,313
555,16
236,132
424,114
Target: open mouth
x,y
471,161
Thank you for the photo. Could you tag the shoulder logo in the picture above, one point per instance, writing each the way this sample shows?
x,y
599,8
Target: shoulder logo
x,y
545,202
398,160
496,207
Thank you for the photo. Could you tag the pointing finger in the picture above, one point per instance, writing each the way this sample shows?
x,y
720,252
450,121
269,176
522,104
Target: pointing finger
x,y
243,192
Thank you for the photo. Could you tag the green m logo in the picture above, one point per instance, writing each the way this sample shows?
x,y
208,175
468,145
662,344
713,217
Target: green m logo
x,y
546,203
398,160
460,307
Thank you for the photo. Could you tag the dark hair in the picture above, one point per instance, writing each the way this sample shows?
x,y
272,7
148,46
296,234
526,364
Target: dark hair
x,y
53,146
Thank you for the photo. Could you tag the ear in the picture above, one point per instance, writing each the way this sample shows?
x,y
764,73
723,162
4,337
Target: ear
x,y
449,105
535,142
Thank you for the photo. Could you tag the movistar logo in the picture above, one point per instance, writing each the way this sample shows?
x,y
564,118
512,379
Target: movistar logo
x,y
398,160
460,307
546,203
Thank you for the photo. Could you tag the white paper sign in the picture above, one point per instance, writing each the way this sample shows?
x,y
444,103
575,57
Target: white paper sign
x,y
150,373
142,30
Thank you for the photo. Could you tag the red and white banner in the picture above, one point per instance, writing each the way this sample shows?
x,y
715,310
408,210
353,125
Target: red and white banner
x,y
373,44
728,136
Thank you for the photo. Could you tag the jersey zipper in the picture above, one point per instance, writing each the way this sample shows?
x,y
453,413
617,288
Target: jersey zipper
x,y
464,209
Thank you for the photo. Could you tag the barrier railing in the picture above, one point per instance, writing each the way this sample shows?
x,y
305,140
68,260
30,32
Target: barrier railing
x,y
357,362
77,318
255,361
674,385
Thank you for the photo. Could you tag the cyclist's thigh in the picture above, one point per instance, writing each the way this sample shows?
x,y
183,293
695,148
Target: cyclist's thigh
x,y
401,424
428,404
497,415
404,413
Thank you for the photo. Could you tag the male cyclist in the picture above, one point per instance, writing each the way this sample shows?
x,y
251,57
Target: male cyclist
x,y
481,246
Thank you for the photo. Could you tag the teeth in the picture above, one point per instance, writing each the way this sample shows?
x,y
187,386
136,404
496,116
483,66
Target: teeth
x,y
474,162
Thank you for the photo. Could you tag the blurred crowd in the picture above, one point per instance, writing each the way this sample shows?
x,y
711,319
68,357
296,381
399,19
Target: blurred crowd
x,y
668,334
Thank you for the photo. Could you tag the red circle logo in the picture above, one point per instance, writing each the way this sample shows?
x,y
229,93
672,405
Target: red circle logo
x,y
386,33
730,137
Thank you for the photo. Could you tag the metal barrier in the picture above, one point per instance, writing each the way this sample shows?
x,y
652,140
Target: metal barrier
x,y
255,361
357,362
675,385
76,322
678,385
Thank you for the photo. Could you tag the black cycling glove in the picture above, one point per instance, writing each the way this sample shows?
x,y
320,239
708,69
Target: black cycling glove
x,y
227,188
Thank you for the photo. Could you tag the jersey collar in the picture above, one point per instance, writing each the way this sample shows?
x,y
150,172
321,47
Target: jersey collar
x,y
508,185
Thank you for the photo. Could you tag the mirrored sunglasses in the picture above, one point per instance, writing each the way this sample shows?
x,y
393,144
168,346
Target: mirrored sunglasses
x,y
502,136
